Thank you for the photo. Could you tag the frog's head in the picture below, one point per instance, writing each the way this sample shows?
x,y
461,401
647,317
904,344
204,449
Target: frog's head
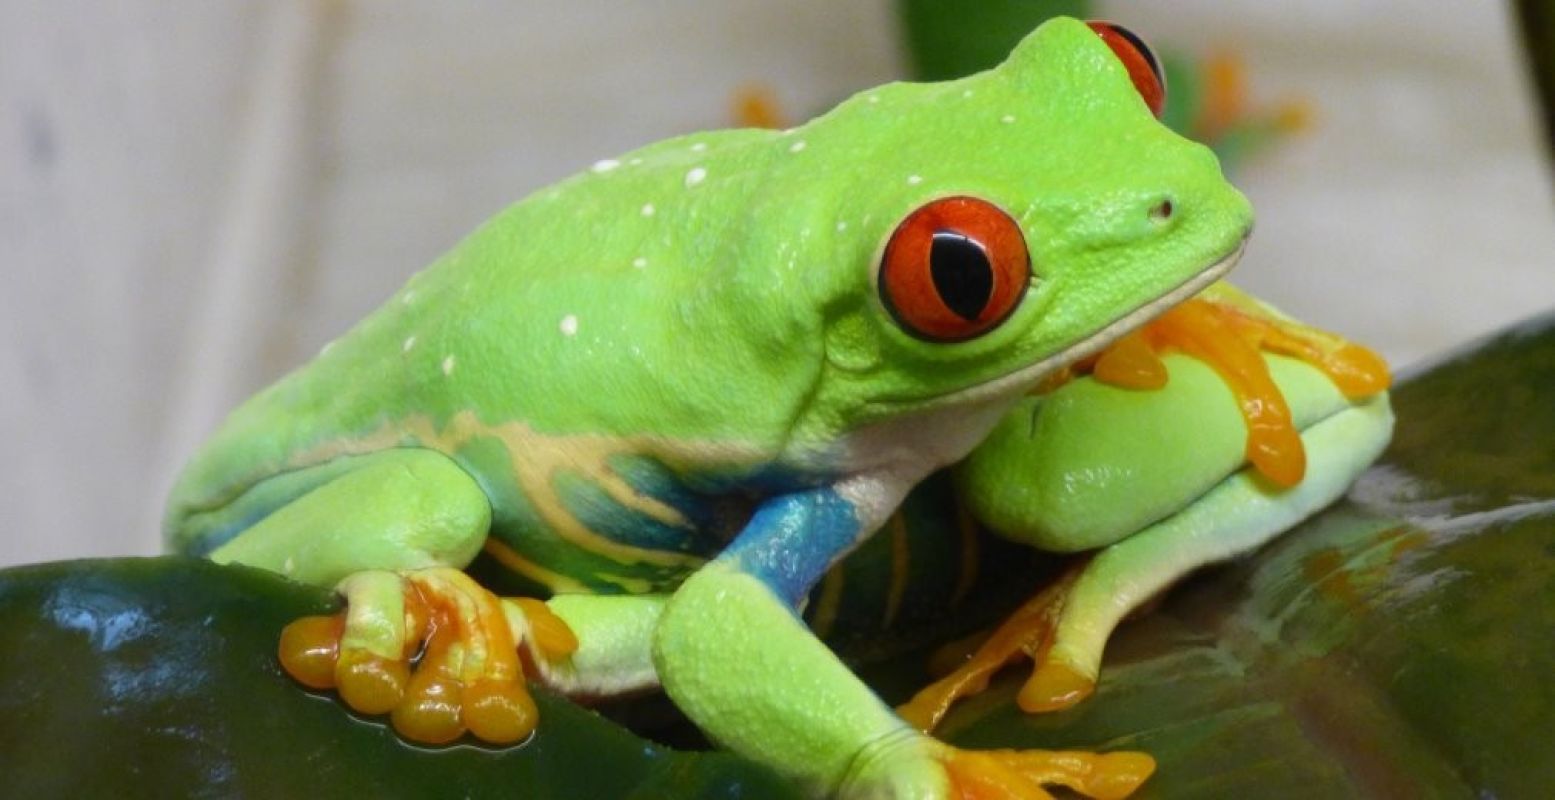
x,y
988,230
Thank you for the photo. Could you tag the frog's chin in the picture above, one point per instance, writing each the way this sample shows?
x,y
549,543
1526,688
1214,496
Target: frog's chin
x,y
1024,379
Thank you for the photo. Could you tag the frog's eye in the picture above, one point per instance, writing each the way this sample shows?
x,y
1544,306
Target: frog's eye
x,y
954,269
1142,66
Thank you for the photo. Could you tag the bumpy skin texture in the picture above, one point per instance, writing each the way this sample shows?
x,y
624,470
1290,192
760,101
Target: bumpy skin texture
x,y
672,377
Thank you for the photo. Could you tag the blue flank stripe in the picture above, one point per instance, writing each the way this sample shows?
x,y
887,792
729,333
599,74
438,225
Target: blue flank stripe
x,y
793,538
655,480
596,509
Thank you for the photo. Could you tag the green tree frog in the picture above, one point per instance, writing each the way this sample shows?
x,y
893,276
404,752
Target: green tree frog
x,y
675,390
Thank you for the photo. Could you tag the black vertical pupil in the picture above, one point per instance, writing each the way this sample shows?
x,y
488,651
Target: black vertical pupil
x,y
962,274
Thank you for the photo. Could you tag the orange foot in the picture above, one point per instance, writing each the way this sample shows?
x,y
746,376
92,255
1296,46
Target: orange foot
x,y
1022,774
1029,632
431,648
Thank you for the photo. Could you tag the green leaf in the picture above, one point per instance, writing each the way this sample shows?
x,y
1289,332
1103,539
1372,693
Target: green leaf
x,y
158,677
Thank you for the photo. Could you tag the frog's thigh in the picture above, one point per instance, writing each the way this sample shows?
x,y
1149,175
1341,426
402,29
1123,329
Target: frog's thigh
x,y
400,509
615,638
1233,518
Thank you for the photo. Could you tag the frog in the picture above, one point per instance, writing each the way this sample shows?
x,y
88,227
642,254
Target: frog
x,y
1252,423
674,390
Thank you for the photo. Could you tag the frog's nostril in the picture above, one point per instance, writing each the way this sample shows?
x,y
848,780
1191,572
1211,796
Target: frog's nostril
x,y
1162,211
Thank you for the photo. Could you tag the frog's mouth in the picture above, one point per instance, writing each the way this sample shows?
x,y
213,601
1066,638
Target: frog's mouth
x,y
1026,377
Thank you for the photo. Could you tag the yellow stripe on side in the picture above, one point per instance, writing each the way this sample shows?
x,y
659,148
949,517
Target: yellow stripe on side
x,y
899,567
508,557
970,545
536,459
827,604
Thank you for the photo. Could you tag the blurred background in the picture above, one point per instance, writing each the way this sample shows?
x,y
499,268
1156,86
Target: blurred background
x,y
195,197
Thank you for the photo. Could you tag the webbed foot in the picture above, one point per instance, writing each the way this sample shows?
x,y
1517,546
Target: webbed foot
x,y
431,648
1029,631
1022,774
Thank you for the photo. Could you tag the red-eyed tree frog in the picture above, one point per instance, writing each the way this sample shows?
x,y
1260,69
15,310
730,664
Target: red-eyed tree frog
x,y
675,390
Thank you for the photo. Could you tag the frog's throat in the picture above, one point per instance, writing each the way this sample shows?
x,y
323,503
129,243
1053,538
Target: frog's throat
x,y
1024,378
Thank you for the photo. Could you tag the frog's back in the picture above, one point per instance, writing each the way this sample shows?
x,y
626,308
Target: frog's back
x,y
555,319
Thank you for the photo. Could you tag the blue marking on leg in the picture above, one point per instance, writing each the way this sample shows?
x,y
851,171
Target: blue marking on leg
x,y
793,539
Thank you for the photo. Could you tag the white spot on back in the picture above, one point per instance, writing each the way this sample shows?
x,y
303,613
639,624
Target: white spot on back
x,y
408,297
448,365
914,180
605,165
874,98
699,147
1007,118
289,567
634,162
796,146
966,92
647,209
695,176
842,225
639,262
324,351
569,325
410,341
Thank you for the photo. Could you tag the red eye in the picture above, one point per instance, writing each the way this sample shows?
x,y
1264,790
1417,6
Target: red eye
x,y
1142,66
954,269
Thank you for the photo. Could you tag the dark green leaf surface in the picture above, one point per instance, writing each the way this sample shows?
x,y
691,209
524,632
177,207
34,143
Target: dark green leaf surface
x,y
157,678
1399,645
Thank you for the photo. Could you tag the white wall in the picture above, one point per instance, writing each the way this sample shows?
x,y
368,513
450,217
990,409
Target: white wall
x,y
195,196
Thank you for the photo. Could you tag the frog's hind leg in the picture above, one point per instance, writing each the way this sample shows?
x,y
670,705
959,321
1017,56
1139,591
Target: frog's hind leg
x,y
1065,628
390,534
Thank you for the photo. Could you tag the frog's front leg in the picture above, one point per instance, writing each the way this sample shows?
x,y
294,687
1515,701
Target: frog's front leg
x,y
391,535
734,655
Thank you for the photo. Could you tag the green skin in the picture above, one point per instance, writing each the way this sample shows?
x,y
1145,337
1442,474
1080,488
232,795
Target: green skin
x,y
670,387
